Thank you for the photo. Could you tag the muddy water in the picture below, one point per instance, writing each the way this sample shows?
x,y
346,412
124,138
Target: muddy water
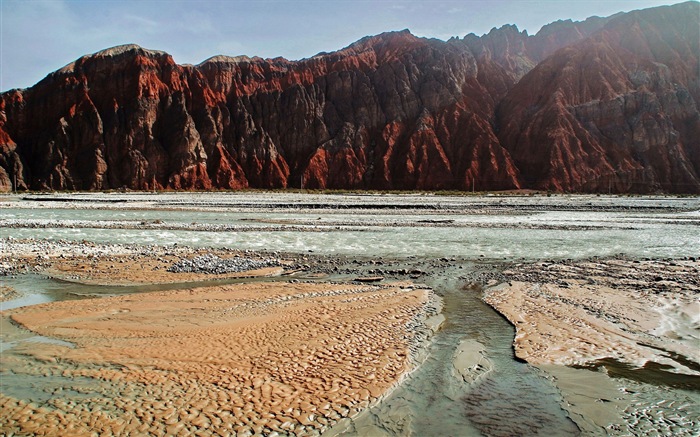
x,y
514,398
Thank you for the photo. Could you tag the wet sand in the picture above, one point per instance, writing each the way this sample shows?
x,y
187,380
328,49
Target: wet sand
x,y
636,317
132,270
577,313
247,358
7,293
471,361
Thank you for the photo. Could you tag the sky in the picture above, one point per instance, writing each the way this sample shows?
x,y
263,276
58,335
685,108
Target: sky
x,y
38,37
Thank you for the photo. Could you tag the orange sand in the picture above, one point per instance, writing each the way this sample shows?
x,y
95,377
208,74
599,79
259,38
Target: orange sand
x,y
237,359
138,269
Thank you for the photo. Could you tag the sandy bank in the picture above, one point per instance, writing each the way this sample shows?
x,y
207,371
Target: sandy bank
x,y
115,264
255,358
575,313
638,319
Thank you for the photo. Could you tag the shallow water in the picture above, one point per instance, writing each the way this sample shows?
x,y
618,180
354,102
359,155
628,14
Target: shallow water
x,y
515,398
527,235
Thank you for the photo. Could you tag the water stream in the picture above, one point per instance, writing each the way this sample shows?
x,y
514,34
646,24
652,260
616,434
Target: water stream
x,y
514,398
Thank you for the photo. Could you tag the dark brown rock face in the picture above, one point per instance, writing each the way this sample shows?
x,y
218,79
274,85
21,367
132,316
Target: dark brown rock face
x,y
605,104
616,111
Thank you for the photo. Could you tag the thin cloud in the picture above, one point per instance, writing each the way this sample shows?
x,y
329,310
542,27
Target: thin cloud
x,y
142,24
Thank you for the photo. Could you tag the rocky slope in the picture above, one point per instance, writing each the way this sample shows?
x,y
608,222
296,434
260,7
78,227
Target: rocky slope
x,y
608,104
616,111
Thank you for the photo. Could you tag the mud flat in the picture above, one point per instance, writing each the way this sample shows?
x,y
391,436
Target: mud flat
x,y
264,358
633,319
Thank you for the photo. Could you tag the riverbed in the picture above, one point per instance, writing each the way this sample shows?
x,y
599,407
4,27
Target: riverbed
x,y
460,244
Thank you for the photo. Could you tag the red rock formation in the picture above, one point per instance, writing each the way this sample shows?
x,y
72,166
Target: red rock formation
x,y
617,102
616,111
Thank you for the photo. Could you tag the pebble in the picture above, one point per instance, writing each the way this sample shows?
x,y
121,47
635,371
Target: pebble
x,y
212,264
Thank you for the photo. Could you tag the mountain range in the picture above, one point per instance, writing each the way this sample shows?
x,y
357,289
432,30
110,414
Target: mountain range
x,y
603,105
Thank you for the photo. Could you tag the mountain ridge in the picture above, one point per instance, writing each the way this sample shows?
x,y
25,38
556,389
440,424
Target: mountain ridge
x,y
602,105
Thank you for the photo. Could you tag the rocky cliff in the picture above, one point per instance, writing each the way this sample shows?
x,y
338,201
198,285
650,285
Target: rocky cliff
x,y
608,104
615,111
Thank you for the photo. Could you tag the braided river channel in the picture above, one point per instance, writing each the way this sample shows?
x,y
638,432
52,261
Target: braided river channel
x,y
460,242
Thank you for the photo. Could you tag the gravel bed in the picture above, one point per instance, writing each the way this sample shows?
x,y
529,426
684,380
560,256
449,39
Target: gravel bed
x,y
213,265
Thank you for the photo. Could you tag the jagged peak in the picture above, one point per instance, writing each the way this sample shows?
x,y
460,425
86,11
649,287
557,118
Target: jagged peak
x,y
223,59
403,35
125,48
506,28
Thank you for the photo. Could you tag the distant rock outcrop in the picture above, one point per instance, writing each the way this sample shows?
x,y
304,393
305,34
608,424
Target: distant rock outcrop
x,y
608,104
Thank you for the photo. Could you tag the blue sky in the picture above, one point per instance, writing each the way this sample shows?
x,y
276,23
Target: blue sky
x,y
40,36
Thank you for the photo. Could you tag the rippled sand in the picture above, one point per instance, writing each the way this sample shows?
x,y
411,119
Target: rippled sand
x,y
7,293
248,359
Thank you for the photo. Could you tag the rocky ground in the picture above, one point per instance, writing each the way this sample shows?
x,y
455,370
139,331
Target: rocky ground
x,y
116,264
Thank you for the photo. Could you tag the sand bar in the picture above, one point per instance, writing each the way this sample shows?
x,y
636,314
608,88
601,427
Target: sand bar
x,y
113,264
642,314
139,269
470,361
575,313
242,359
